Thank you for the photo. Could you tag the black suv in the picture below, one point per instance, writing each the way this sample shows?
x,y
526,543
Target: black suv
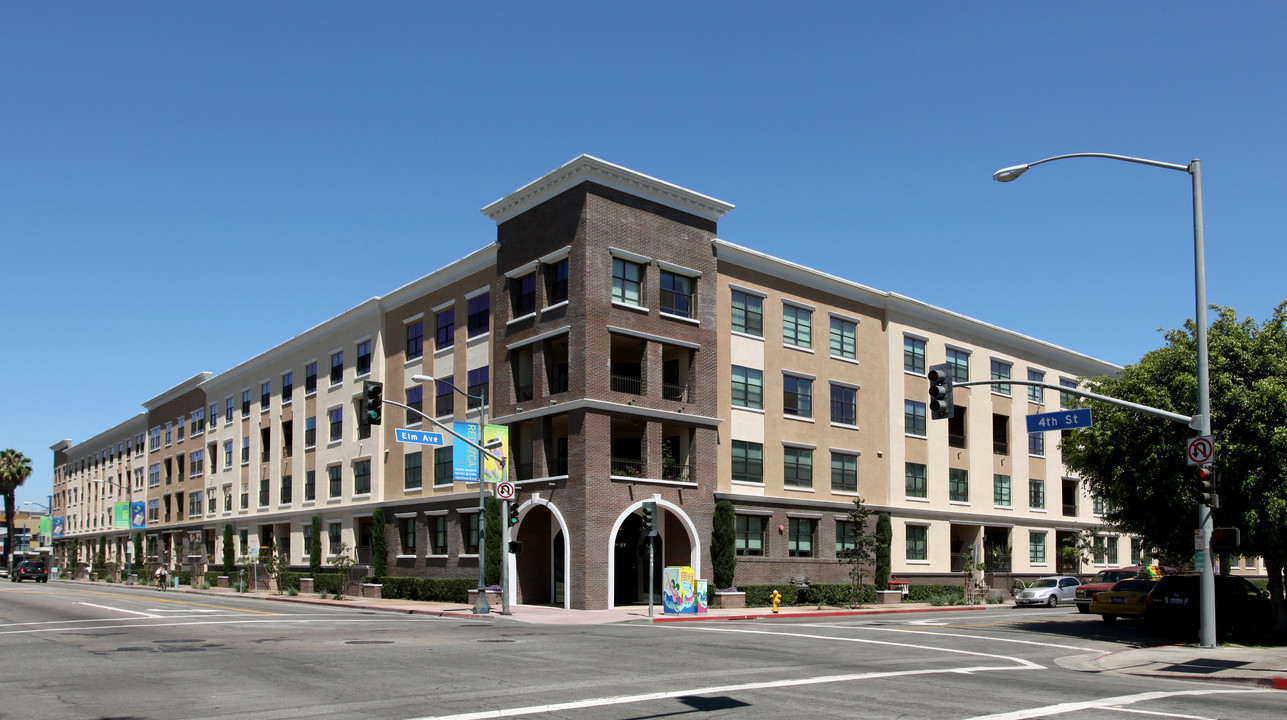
x,y
1241,608
30,570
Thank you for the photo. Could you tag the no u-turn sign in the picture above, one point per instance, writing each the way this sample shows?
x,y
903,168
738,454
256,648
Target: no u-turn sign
x,y
1200,450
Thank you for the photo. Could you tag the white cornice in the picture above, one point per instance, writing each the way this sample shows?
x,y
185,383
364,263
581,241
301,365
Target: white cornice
x,y
606,406
586,168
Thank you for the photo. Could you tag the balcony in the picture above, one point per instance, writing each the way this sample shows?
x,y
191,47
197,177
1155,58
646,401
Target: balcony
x,y
632,384
679,472
675,391
627,467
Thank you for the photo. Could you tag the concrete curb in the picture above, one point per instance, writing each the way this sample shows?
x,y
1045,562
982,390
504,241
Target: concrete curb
x,y
816,614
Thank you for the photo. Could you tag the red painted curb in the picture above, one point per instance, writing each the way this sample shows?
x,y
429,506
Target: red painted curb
x,y
813,614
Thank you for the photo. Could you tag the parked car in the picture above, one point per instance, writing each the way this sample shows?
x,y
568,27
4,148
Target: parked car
x,y
30,570
4,571
1048,591
1104,579
1242,609
1124,599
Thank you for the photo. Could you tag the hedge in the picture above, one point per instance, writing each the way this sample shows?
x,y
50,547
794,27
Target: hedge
x,y
836,594
923,593
453,590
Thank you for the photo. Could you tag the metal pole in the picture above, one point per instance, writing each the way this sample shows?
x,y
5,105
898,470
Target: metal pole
x,y
650,571
482,608
1207,624
504,557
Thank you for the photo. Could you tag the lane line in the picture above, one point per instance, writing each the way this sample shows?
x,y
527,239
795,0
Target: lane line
x,y
1162,714
245,621
105,607
714,690
154,599
959,635
1103,703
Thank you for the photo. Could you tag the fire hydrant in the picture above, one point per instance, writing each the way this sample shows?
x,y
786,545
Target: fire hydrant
x,y
776,597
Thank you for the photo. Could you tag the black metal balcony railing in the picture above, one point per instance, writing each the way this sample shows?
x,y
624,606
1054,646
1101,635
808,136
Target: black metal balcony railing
x,y
627,384
997,564
680,472
1000,447
363,554
627,467
675,391
1070,510
523,393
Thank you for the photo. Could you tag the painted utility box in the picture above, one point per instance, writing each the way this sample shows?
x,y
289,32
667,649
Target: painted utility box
x,y
679,590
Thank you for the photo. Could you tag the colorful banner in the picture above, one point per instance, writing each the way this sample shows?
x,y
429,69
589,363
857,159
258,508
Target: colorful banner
x,y
58,525
464,457
44,526
138,515
121,515
491,468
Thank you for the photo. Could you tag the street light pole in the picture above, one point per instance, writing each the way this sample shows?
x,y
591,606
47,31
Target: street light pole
x,y
1207,624
129,526
480,607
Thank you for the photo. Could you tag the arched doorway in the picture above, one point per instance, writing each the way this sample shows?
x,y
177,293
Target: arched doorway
x,y
630,561
540,569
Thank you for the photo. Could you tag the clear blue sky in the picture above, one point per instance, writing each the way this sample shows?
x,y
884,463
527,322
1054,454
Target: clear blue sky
x,y
181,182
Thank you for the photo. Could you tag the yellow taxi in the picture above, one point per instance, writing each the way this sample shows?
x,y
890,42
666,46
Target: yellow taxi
x,y
1125,599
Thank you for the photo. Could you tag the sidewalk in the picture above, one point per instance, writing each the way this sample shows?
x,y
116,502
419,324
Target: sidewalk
x,y
1257,666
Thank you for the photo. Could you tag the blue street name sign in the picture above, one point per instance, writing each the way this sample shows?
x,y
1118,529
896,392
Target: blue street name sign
x,y
1062,420
418,436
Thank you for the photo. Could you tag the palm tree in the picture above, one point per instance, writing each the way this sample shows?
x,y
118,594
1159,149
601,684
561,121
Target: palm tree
x,y
15,468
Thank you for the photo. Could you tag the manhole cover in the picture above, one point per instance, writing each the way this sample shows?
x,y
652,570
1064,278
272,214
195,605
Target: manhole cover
x,y
369,642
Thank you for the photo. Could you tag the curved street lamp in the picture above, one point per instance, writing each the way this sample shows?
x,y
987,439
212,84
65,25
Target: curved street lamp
x,y
1207,626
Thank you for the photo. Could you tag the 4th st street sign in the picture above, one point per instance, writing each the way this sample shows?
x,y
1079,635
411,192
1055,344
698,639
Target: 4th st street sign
x,y
1063,420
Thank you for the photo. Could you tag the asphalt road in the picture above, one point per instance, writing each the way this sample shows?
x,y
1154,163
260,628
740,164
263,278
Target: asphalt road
x,y
71,651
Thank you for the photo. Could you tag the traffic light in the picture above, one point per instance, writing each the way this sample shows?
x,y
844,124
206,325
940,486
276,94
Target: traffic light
x,y
941,403
1206,485
1225,538
515,546
513,514
372,401
649,516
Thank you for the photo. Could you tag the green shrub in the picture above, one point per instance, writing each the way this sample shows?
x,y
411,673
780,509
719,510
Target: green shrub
x,y
945,598
184,576
837,594
923,593
453,590
759,595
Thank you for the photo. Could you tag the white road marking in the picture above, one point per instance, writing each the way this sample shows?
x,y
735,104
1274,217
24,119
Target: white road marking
x,y
926,622
1162,714
245,621
180,609
968,637
1103,703
116,609
715,690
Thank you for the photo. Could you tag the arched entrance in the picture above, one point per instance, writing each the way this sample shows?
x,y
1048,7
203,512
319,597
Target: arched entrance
x,y
540,570
676,543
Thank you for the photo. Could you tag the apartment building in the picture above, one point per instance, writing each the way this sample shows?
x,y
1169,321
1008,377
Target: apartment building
x,y
634,356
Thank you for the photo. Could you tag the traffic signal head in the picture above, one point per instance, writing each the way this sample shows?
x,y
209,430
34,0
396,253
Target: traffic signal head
x,y
649,515
941,403
372,401
1206,485
1225,538
513,514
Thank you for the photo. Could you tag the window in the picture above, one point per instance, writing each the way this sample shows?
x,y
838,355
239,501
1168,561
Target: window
x,y
363,366
1137,551
438,536
1036,394
446,328
557,278
263,492
747,314
288,386
169,435
1036,547
1067,400
1099,550
478,387
196,463
337,424
677,294
1001,371
1001,490
748,461
415,339
443,466
310,432
469,528
916,479
844,405
415,401
956,426
844,472
800,537
959,360
797,396
750,535
1037,444
1096,505
1000,435
362,477
797,326
914,355
286,490
958,485
748,387
411,471
337,368
212,502
154,474
310,486
480,314
198,422
914,417
917,542
797,467
178,430
154,513
335,475
265,443
310,378
844,537
245,451
844,338
407,533
446,402
1111,544
523,295
229,405
627,282
1036,494
154,438
333,538
265,394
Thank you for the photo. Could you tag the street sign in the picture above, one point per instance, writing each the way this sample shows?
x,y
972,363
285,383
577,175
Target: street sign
x,y
505,490
1200,450
418,436
1062,420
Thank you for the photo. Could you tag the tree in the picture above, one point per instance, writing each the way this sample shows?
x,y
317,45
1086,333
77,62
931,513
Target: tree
x,y
229,556
861,547
73,556
724,545
315,548
1136,462
344,566
379,544
138,549
492,541
15,468
276,562
884,538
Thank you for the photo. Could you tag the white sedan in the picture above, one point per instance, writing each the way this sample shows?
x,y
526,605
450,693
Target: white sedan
x,y
1049,591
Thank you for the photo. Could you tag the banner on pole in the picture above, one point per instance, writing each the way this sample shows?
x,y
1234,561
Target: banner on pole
x,y
138,515
121,515
491,468
465,458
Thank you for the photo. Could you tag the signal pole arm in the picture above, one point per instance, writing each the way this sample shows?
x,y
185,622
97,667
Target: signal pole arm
x,y
1192,421
500,459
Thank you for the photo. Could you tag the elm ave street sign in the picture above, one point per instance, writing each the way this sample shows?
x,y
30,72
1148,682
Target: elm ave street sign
x,y
419,437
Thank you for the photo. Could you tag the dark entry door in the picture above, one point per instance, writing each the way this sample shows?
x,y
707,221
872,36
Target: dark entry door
x,y
630,553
